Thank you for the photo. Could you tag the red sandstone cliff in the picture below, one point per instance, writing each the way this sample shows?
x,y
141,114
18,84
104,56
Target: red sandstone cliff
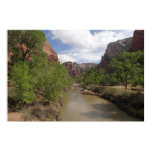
x,y
50,53
76,70
73,70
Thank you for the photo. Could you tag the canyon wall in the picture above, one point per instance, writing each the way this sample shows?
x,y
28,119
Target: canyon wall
x,y
50,53
75,69
114,49
138,41
131,44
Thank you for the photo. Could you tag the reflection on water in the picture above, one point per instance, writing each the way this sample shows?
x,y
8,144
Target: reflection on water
x,y
79,107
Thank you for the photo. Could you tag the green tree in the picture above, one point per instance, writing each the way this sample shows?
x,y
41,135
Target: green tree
x,y
54,78
23,44
124,64
89,76
137,76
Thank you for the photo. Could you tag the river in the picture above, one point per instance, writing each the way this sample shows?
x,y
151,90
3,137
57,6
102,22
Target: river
x,y
80,107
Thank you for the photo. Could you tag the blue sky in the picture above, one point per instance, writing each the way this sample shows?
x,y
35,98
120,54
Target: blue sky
x,y
83,46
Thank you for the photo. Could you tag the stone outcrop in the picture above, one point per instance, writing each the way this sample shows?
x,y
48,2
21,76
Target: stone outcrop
x,y
132,44
50,53
138,41
75,69
114,49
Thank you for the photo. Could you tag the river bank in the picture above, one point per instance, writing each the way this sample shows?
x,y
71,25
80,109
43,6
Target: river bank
x,y
39,110
94,103
80,107
130,101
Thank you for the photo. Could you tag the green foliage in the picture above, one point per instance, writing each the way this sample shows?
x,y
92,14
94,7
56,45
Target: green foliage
x,y
31,72
49,80
94,76
89,76
78,80
125,64
23,44
20,76
111,79
128,67
55,79
137,76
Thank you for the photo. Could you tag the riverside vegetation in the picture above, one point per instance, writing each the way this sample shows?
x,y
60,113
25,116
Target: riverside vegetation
x,y
126,69
35,85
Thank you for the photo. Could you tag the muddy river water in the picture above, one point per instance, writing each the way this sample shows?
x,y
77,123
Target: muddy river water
x,y
80,107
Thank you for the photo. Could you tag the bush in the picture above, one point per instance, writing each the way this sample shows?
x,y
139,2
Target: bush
x,y
23,91
55,78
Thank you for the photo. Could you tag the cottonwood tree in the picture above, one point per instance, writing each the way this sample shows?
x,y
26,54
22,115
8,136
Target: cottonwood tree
x,y
124,64
22,44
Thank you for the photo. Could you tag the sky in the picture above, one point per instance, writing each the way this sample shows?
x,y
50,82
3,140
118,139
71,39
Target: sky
x,y
83,46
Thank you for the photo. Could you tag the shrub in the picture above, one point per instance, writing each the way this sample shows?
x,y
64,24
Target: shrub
x,y
55,79
23,91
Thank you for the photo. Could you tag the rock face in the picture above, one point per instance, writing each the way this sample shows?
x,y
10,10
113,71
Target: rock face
x,y
51,55
114,49
132,44
75,69
138,41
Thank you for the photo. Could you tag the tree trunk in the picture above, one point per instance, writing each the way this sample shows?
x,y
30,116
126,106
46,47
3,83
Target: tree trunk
x,y
126,85
126,82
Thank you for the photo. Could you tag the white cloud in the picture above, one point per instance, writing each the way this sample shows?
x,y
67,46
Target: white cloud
x,y
86,46
66,57
79,56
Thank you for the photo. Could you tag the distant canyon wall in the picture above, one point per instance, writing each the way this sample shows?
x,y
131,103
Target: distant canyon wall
x,y
75,69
